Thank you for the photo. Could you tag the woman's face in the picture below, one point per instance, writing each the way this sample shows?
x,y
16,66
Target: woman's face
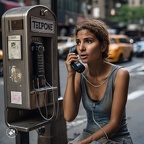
x,y
88,46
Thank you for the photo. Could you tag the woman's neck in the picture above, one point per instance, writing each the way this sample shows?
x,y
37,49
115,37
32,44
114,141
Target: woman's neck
x,y
98,69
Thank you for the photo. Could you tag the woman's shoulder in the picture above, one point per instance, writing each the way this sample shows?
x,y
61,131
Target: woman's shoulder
x,y
118,67
118,70
122,74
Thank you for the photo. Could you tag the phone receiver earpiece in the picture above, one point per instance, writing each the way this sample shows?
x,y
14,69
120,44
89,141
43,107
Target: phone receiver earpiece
x,y
77,66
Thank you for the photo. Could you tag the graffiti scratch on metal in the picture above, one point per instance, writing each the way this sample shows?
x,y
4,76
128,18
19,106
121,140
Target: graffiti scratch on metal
x,y
15,74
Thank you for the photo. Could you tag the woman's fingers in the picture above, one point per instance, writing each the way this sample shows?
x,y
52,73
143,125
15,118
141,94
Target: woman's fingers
x,y
72,57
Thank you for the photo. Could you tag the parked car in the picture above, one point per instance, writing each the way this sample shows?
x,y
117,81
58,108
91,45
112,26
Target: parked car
x,y
120,48
64,44
138,49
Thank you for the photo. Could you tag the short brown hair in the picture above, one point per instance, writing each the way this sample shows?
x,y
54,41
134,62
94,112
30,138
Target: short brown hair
x,y
98,28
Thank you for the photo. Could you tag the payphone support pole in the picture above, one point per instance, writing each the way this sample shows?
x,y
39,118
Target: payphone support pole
x,y
22,138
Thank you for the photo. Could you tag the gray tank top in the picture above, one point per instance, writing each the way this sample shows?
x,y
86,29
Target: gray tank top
x,y
100,111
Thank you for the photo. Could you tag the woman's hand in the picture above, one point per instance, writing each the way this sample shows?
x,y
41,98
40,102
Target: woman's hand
x,y
72,57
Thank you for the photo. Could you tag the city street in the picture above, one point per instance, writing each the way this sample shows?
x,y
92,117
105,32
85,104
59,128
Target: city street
x,y
135,106
34,33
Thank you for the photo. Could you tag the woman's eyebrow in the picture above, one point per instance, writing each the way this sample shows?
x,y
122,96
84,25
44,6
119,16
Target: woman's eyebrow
x,y
86,38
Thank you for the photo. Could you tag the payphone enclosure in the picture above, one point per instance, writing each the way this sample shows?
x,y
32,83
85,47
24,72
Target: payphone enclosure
x,y
30,66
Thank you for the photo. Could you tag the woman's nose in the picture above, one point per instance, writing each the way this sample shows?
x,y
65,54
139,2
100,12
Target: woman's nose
x,y
81,47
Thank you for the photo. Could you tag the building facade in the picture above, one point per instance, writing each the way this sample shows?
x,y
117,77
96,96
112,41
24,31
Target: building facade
x,y
71,12
136,2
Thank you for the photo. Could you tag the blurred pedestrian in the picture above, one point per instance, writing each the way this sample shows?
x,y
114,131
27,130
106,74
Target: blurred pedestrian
x,y
103,88
63,32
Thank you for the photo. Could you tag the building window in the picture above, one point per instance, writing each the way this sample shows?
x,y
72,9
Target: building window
x,y
133,2
141,2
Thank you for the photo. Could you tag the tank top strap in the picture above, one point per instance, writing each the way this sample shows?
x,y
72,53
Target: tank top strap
x,y
113,73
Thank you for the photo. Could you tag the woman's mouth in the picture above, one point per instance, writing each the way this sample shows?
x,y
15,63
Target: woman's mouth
x,y
83,56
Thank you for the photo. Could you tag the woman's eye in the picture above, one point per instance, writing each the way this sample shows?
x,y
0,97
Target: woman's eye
x,y
89,41
77,42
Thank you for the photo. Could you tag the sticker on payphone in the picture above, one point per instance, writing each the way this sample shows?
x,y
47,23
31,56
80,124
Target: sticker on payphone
x,y
14,47
16,97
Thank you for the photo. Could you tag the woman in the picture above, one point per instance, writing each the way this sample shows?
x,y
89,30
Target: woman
x,y
103,88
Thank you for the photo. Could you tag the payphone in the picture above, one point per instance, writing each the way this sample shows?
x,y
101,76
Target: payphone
x,y
30,66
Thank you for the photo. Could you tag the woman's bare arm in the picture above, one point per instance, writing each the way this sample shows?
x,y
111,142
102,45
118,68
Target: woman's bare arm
x,y
72,93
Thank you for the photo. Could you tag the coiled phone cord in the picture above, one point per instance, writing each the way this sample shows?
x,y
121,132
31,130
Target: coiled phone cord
x,y
54,100
99,125
37,101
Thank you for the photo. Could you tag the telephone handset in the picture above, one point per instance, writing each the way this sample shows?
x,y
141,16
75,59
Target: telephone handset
x,y
77,66
38,59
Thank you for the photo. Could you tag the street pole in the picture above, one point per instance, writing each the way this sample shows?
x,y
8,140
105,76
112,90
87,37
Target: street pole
x,y
55,132
22,137
54,6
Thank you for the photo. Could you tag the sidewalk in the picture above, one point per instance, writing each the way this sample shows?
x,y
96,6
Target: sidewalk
x,y
75,131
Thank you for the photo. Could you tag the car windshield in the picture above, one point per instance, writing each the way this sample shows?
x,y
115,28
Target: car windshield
x,y
140,43
112,41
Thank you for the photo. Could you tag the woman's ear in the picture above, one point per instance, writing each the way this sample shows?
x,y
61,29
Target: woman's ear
x,y
103,46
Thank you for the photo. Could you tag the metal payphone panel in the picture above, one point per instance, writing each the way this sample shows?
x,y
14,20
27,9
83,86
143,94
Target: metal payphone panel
x,y
30,66
29,31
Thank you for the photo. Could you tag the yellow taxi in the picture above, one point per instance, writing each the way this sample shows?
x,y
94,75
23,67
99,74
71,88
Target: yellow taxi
x,y
120,48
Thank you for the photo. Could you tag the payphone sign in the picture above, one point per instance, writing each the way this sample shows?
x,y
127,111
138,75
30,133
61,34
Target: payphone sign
x,y
42,25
